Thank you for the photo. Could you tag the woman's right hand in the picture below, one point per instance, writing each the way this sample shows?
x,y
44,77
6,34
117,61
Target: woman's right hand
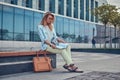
x,y
53,46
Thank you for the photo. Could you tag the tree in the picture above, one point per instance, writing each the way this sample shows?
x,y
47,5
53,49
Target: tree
x,y
114,20
119,28
104,13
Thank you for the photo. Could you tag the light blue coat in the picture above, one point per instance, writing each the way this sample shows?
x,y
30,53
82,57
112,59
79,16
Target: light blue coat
x,y
43,34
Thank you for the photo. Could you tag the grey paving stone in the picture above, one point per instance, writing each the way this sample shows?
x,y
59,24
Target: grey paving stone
x,y
96,75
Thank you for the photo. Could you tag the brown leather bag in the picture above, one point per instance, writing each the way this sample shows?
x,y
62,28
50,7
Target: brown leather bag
x,y
42,63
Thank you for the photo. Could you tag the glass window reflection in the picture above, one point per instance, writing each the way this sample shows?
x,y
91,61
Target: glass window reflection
x,y
72,31
19,21
29,25
41,5
29,3
59,28
69,5
61,7
19,37
8,18
27,37
82,30
0,17
75,8
52,5
1,22
87,10
66,29
37,20
28,21
14,2
6,35
92,7
81,9
77,32
86,36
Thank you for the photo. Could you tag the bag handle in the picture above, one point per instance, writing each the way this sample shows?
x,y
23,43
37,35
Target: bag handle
x,y
45,56
40,51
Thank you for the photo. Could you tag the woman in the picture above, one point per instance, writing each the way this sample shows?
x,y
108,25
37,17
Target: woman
x,y
53,44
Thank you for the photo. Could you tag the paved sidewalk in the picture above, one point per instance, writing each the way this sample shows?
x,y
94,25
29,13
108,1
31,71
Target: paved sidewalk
x,y
97,75
88,62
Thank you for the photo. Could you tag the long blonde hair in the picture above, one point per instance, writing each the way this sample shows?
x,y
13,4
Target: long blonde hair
x,y
43,21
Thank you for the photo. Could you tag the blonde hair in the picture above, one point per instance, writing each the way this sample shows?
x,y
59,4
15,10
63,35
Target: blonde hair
x,y
43,21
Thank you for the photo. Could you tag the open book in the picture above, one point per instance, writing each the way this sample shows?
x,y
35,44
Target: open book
x,y
59,45
62,45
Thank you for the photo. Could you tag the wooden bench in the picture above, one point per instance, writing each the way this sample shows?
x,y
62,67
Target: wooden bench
x,y
17,62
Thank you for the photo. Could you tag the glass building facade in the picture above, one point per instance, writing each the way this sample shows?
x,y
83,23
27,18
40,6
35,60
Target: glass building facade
x,y
21,25
73,23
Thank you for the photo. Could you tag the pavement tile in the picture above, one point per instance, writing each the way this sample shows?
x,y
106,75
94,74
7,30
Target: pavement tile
x,y
96,75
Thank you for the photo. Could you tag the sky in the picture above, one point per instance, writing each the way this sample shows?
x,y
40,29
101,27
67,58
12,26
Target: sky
x,y
114,2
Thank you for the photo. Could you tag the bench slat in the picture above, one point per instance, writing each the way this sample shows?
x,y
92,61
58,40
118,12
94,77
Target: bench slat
x,y
22,53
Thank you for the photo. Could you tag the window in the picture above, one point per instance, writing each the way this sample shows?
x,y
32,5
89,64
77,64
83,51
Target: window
x,y
75,8
87,10
19,25
89,28
77,32
14,2
66,29
19,20
37,20
92,7
96,17
28,24
7,30
61,7
29,3
82,30
69,7
72,31
1,22
52,6
59,28
81,9
42,5
28,21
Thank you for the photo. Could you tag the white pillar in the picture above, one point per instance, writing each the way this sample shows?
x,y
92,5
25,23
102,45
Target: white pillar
x,y
72,8
65,7
78,9
19,2
46,5
35,4
84,9
56,6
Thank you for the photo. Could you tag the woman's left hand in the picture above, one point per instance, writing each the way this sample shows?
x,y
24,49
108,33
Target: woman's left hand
x,y
61,40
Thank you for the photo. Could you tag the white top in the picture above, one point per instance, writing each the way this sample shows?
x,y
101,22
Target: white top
x,y
46,34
